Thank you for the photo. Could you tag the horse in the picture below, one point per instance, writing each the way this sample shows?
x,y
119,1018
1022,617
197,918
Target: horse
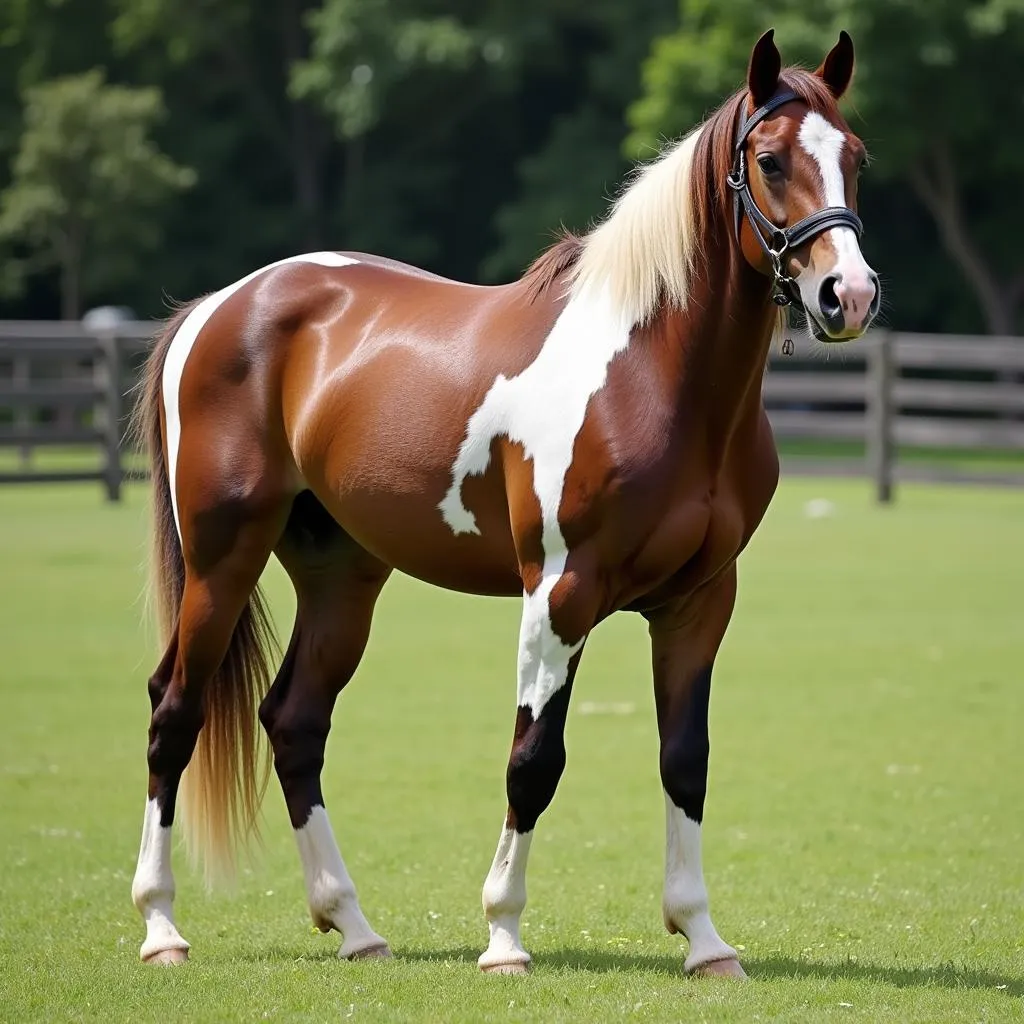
x,y
590,438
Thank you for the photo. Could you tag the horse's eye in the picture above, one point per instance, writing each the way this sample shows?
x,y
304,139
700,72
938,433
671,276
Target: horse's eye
x,y
768,164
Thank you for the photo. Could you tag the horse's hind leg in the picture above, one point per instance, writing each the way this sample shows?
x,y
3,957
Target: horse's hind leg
x,y
336,586
234,541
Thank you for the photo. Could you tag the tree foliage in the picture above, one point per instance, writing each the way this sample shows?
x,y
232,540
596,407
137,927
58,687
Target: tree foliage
x,y
362,48
460,134
87,175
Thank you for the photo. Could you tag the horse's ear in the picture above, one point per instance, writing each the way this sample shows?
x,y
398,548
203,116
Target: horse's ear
x,y
837,68
764,68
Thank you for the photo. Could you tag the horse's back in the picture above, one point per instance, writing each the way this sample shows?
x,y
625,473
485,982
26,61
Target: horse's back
x,y
355,375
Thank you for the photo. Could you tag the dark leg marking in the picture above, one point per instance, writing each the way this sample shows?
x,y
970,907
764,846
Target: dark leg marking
x,y
685,749
537,761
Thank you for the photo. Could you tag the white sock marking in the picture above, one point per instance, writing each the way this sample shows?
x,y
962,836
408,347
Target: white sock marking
x,y
685,900
153,886
504,897
824,142
329,887
185,338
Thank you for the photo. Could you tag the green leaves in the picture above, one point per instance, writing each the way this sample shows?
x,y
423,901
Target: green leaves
x,y
87,174
693,69
361,48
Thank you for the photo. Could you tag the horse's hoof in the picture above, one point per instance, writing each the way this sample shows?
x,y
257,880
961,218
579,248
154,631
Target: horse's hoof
x,y
721,968
167,956
513,968
370,953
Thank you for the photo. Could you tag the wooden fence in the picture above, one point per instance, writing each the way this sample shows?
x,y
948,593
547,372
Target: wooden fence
x,y
844,409
61,387
949,395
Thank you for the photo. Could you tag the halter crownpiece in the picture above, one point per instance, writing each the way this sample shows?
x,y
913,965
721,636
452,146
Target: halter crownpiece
x,y
776,241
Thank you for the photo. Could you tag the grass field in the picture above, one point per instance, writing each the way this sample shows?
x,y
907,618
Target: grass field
x,y
865,820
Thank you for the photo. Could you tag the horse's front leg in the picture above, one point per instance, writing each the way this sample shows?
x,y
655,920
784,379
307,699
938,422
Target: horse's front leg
x,y
558,612
685,637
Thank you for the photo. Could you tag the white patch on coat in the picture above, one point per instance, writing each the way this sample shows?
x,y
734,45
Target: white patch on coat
x,y
153,886
329,887
504,897
685,899
185,338
543,409
824,143
543,664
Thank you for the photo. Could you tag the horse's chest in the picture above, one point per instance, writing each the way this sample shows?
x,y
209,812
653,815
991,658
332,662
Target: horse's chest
x,y
693,541
727,532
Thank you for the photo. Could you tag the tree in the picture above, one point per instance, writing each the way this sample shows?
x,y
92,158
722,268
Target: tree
x,y
242,53
935,94
361,50
455,135
87,182
569,178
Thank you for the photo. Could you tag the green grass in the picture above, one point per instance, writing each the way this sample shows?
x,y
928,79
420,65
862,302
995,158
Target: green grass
x,y
865,817
970,460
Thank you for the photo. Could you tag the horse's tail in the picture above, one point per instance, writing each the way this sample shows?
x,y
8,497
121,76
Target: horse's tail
x,y
222,788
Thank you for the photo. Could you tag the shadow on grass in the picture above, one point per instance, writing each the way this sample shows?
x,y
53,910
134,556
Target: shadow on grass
x,y
758,968
943,976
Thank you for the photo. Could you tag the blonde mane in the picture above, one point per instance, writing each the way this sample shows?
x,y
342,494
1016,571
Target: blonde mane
x,y
645,251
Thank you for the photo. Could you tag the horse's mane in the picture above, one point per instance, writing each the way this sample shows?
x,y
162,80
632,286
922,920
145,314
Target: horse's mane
x,y
647,248
552,263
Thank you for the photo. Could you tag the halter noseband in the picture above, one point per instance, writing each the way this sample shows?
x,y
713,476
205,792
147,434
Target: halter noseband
x,y
776,241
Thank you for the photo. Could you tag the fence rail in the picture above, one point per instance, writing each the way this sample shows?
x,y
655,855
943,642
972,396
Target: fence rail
x,y
61,387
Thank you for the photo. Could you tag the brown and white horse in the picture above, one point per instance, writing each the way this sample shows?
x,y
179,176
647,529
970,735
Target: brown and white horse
x,y
590,437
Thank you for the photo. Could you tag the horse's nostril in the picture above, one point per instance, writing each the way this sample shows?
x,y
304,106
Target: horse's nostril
x,y
877,300
827,298
829,304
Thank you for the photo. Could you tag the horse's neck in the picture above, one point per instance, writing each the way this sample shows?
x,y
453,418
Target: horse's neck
x,y
722,340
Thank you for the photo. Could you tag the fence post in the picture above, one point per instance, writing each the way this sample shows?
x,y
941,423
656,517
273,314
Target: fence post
x,y
23,417
880,441
108,373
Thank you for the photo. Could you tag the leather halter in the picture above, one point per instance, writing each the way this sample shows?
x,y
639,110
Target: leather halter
x,y
776,241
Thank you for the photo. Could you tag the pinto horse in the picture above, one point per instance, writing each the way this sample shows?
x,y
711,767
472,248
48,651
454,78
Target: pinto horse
x,y
591,437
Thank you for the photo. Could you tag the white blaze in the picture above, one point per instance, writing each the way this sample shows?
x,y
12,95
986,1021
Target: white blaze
x,y
824,143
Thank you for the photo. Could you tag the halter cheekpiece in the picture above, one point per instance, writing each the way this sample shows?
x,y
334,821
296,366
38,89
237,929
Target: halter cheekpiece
x,y
776,241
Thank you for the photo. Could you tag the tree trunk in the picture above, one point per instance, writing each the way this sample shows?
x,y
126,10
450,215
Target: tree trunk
x,y
70,248
71,275
355,154
937,189
306,149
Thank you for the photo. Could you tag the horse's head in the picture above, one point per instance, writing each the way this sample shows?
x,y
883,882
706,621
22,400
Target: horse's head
x,y
795,178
